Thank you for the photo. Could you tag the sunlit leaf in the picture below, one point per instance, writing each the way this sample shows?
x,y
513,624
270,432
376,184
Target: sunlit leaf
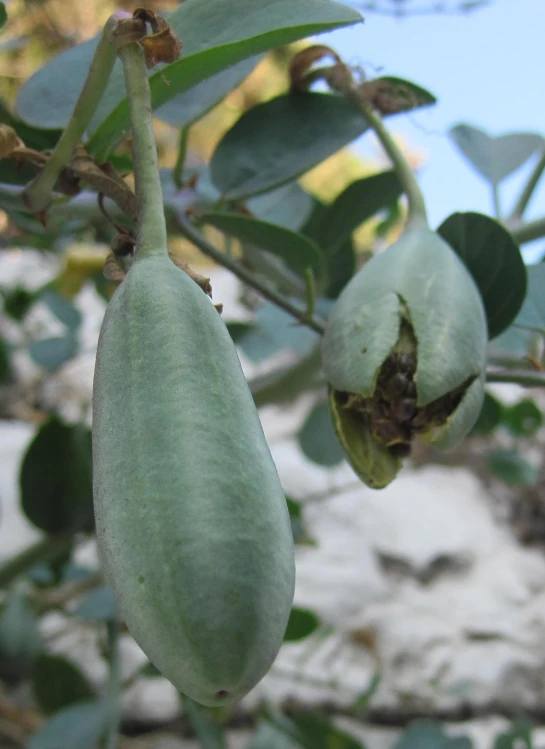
x,y
495,157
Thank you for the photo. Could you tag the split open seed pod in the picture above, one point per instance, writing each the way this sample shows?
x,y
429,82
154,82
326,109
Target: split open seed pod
x,y
404,354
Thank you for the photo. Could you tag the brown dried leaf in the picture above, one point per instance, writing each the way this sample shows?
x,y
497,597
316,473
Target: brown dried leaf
x,y
303,61
161,46
389,96
9,140
104,179
113,271
201,281
128,31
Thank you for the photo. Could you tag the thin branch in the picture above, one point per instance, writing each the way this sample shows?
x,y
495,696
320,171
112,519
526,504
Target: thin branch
x,y
114,686
180,159
523,377
151,238
37,194
528,231
417,205
46,550
61,596
208,249
528,191
496,202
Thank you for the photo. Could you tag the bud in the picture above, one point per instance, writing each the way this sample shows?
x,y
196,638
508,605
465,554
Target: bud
x,y
404,353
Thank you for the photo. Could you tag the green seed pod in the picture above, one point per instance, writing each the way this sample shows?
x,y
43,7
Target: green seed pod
x,y
404,353
191,518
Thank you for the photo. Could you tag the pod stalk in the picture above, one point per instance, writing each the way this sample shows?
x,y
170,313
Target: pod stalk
x,y
417,206
151,239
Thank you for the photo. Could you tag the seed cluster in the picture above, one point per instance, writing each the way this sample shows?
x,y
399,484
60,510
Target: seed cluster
x,y
391,413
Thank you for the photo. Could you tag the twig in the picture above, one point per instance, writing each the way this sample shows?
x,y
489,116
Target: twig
x,y
528,191
63,595
37,194
46,550
528,231
523,377
180,159
208,249
417,205
114,686
496,201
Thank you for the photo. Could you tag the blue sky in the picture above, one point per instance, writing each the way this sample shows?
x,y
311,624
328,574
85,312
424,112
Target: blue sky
x,y
486,68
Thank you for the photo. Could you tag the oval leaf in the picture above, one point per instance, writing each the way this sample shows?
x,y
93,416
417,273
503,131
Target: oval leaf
x,y
56,486
511,467
360,201
493,258
490,416
99,605
213,39
495,157
57,682
81,726
275,142
297,251
426,734
191,106
52,353
317,438
301,624
524,418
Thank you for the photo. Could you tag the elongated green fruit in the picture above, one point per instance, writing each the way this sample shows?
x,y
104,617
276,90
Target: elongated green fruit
x,y
191,518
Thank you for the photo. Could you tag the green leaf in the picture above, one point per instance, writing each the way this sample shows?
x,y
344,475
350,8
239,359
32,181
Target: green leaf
x,y
297,251
99,605
314,732
524,418
187,108
296,518
19,636
81,726
288,206
277,141
3,15
360,201
511,467
494,158
273,331
301,624
210,736
493,258
52,353
17,302
518,737
424,734
340,261
215,39
490,416
317,438
56,683
33,137
269,736
287,383
364,699
532,314
5,364
62,308
55,478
